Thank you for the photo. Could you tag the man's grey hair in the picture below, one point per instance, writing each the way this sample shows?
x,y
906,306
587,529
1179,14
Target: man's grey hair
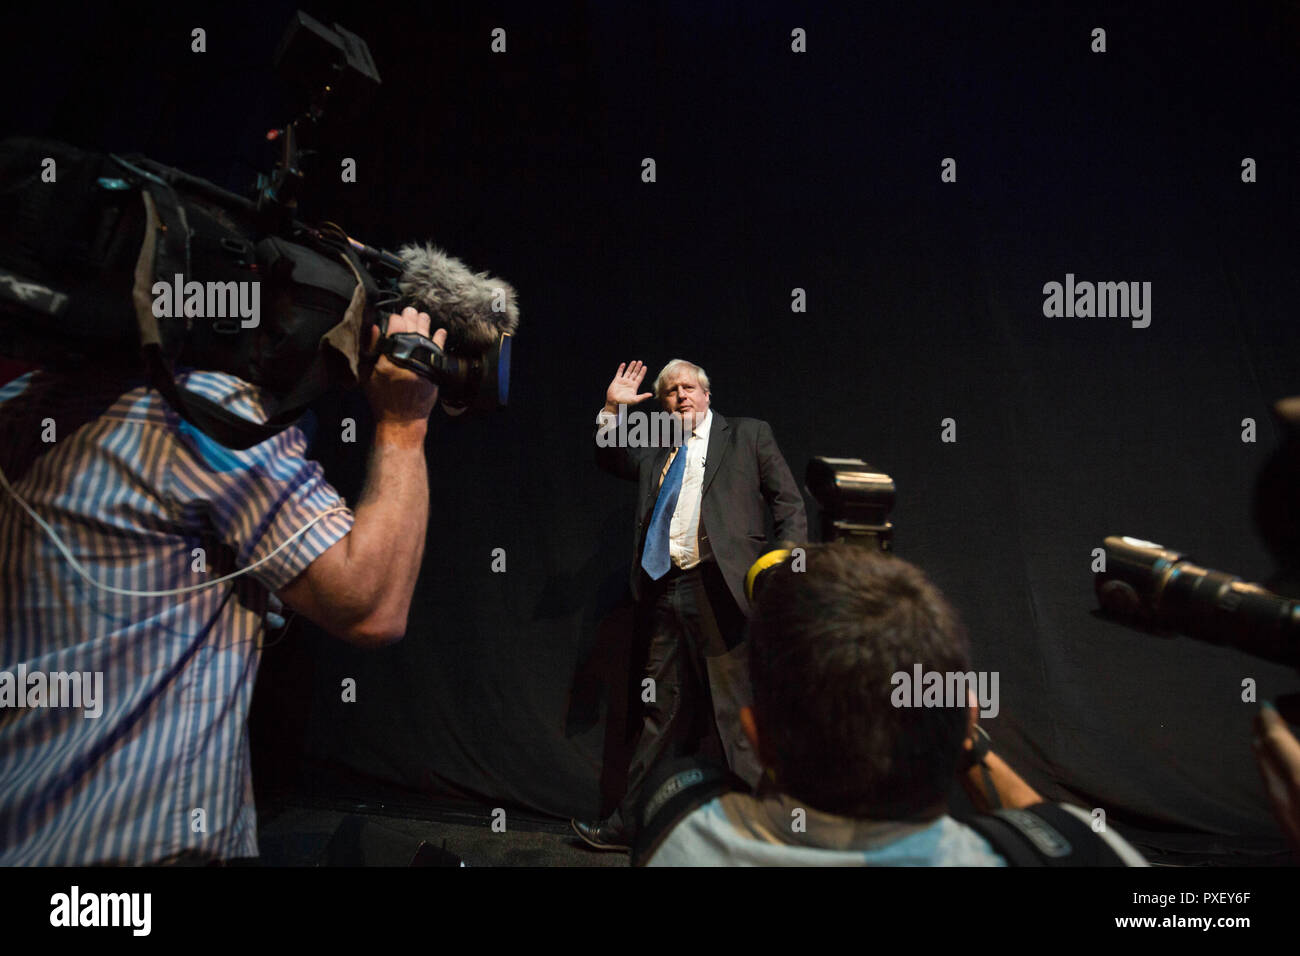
x,y
669,370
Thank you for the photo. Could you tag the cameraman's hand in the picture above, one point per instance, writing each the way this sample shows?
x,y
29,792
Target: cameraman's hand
x,y
397,395
623,389
1277,753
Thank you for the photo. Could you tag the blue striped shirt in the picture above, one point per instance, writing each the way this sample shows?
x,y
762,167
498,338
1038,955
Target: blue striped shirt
x,y
144,502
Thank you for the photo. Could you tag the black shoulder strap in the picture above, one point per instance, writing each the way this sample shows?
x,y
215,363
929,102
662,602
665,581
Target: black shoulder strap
x,y
681,787
212,419
1045,834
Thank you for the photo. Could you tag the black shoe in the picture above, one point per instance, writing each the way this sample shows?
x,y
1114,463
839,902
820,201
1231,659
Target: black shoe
x,y
602,835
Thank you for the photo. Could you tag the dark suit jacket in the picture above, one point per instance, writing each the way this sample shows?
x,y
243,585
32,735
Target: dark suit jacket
x,y
744,473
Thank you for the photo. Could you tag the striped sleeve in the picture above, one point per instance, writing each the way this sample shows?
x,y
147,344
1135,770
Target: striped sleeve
x,y
258,499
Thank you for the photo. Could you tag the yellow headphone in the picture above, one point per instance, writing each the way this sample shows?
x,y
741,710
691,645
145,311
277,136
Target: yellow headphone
x,y
769,560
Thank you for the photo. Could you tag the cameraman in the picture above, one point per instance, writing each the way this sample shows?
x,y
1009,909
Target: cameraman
x,y
151,765
851,779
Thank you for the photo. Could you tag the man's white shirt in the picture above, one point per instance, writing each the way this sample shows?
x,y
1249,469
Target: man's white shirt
x,y
683,533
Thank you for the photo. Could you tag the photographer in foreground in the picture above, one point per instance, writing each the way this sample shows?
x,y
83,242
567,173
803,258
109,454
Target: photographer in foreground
x,y
153,512
1277,754
852,779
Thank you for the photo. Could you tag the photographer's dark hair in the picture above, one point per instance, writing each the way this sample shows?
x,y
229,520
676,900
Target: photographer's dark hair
x,y
825,643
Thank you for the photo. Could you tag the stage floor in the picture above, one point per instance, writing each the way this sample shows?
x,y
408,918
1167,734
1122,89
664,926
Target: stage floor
x,y
293,835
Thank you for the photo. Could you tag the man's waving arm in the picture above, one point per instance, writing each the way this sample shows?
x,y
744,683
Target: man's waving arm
x,y
622,391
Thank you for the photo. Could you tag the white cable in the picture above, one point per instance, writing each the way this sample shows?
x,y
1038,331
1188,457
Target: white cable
x,y
58,543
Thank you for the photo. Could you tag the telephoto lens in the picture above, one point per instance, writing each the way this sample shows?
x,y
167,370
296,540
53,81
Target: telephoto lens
x,y
1164,591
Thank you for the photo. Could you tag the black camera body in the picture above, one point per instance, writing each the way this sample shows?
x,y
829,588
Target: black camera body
x,y
119,265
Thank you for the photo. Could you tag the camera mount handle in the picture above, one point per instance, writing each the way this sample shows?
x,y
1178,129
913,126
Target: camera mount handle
x,y
414,351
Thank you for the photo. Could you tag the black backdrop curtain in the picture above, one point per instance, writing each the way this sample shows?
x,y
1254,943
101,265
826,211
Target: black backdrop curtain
x,y
775,171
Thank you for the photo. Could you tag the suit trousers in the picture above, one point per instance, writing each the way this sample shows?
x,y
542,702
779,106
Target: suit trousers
x,y
689,633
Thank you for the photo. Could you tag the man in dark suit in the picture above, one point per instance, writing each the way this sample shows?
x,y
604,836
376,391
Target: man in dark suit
x,y
701,523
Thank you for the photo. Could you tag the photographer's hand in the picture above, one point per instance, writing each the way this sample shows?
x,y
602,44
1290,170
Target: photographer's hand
x,y
1277,753
992,784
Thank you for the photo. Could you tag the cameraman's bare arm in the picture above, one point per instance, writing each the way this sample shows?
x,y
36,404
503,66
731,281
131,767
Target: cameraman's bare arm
x,y
360,589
